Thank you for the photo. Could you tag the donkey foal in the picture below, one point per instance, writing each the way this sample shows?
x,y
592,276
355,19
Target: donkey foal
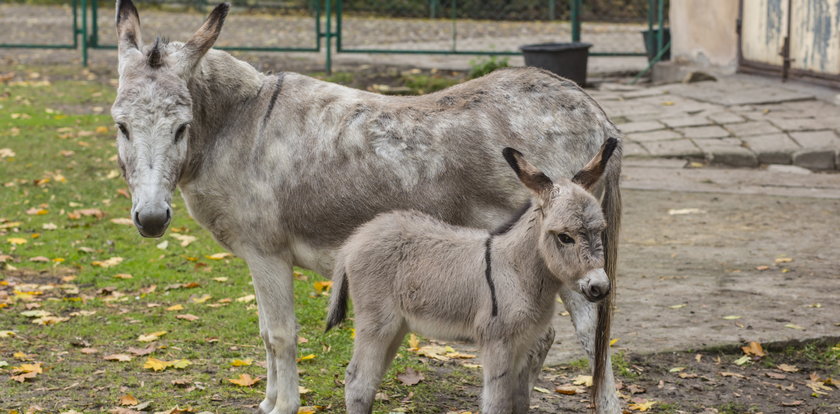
x,y
407,271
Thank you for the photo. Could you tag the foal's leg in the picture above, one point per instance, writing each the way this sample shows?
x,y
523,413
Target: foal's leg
x,y
275,298
531,367
501,375
584,317
373,350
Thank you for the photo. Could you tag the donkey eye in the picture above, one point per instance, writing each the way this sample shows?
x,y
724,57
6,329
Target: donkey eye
x,y
180,132
123,129
565,238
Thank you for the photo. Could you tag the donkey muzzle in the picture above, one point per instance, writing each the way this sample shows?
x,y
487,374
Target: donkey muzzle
x,y
152,221
595,286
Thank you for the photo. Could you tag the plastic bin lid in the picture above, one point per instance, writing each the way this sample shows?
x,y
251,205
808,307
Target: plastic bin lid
x,y
555,47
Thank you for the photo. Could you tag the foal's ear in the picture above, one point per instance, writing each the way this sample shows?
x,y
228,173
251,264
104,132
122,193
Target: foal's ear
x,y
533,178
206,36
128,26
592,172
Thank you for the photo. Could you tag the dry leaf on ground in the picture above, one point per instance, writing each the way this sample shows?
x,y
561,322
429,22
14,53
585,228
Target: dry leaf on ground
x,y
244,380
151,336
410,377
128,399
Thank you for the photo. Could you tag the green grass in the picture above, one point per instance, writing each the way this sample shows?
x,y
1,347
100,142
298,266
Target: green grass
x,y
621,366
39,122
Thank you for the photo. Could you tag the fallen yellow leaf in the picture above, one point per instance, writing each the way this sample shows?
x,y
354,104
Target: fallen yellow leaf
x,y
36,368
218,256
787,368
585,380
242,362
306,357
246,299
175,308
151,337
201,299
155,364
128,399
244,380
107,263
413,342
753,348
323,287
647,405
16,240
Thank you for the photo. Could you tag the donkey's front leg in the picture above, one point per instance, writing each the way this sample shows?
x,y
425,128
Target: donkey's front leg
x,y
501,377
272,277
585,317
530,371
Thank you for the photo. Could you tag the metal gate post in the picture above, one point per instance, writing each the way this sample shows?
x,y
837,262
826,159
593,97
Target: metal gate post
x,y
575,12
660,35
84,34
94,23
328,35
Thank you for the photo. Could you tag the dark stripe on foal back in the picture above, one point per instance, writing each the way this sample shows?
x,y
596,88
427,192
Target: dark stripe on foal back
x,y
274,96
488,274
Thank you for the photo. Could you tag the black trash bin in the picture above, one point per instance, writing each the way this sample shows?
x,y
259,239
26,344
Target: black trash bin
x,y
565,59
651,48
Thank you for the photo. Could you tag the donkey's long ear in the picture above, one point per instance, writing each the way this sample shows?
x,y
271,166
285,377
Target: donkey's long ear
x,y
591,173
128,27
533,178
206,35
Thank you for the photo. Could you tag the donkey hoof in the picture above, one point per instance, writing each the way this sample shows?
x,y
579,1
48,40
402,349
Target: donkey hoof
x,y
265,407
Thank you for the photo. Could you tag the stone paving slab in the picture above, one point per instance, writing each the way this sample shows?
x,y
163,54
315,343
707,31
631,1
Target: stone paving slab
x,y
713,131
752,128
739,121
772,148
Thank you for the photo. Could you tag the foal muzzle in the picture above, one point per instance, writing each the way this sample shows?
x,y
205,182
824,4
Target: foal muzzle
x,y
595,286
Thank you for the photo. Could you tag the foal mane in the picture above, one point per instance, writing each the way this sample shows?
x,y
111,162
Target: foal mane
x,y
154,58
506,226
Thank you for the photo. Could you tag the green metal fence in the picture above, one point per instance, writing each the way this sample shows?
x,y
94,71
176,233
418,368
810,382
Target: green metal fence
x,y
76,32
432,27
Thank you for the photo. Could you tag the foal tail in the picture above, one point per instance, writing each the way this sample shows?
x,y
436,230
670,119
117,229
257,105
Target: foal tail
x,y
611,205
337,310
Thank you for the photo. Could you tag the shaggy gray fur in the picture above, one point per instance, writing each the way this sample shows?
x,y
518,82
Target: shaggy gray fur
x,y
407,271
281,169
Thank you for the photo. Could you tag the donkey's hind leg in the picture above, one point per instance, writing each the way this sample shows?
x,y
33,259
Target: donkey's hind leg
x,y
585,317
373,350
531,368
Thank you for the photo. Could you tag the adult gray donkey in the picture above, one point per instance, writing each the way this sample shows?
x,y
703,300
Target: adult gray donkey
x,y
281,168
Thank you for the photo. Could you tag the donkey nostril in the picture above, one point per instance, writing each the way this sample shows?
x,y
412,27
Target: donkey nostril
x,y
168,214
595,291
137,218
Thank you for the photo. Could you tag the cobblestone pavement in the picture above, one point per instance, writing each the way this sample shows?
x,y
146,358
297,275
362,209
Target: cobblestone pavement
x,y
740,121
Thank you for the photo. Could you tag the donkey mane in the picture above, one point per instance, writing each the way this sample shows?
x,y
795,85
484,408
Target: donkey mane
x,y
154,58
506,226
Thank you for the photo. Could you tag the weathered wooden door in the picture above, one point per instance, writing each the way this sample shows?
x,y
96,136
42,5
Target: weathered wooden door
x,y
797,38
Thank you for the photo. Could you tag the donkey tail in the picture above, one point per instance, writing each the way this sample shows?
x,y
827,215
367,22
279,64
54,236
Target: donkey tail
x,y
611,205
337,311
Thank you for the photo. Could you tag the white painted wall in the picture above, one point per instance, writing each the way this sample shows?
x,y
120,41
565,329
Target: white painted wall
x,y
703,33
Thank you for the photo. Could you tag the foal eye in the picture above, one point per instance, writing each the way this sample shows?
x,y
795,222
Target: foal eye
x,y
123,130
565,238
180,132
